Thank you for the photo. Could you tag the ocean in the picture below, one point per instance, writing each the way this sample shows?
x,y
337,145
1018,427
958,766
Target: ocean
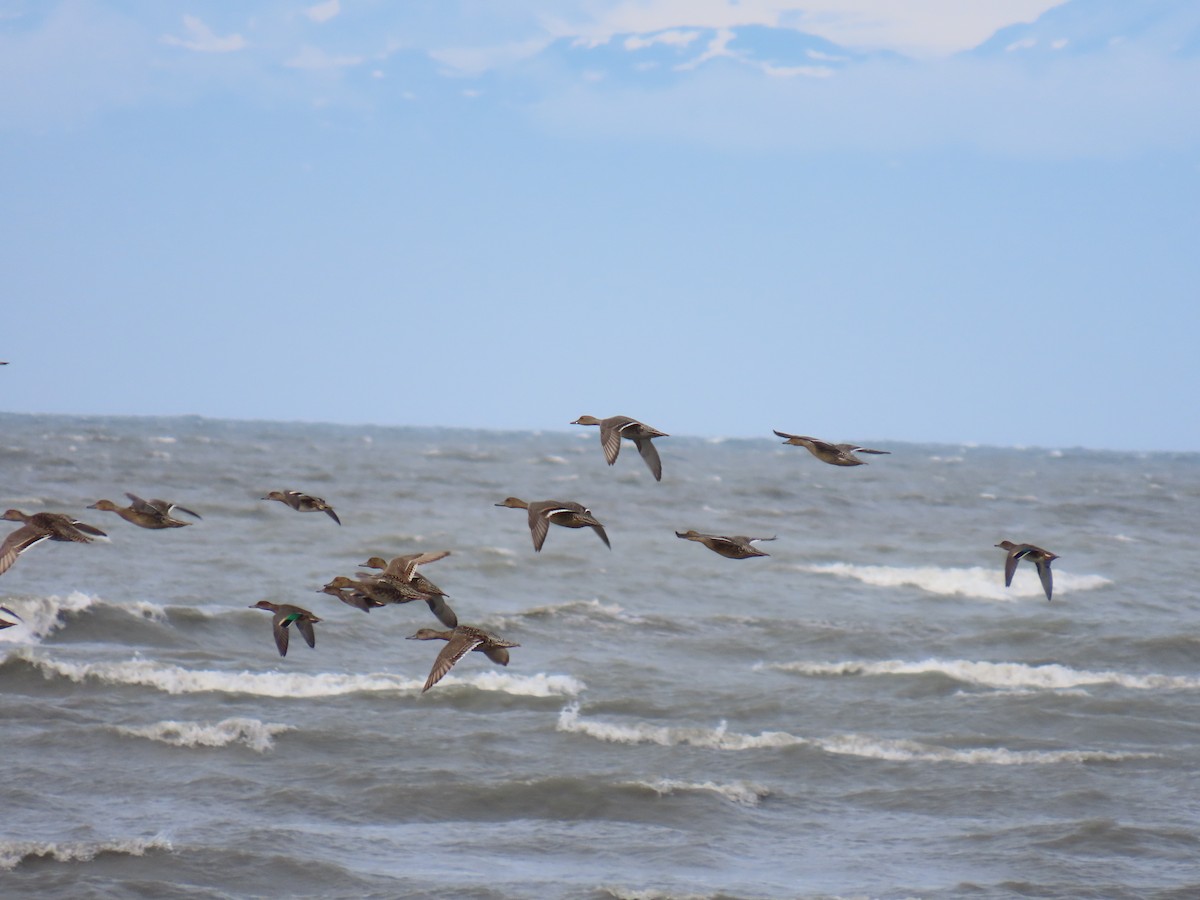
x,y
866,713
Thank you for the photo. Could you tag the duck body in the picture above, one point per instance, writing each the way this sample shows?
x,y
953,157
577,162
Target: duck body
x,y
614,428
459,642
38,527
284,614
352,597
381,591
566,513
834,454
303,503
1036,555
404,569
733,547
146,513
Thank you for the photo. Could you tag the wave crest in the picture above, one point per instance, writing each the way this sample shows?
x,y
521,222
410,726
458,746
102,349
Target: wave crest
x,y
258,736
177,680
976,581
1052,676
744,793
42,616
13,853
863,746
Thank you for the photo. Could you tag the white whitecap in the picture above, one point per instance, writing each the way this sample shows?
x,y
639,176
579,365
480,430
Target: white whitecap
x,y
975,581
743,793
39,617
12,853
258,736
539,685
863,746
1002,675
172,679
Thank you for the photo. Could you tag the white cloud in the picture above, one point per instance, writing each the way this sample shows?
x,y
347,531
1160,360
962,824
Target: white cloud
x,y
1091,108
674,38
202,39
477,60
793,71
314,59
717,47
917,27
323,12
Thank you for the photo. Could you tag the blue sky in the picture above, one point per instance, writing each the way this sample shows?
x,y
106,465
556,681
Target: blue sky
x,y
942,220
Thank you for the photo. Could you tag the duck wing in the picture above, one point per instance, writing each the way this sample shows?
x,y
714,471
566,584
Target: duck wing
x,y
456,648
610,439
599,529
1043,568
279,626
650,455
498,655
1010,566
305,626
18,542
539,524
440,608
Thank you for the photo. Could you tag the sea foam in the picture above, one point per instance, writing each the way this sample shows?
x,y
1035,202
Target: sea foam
x,y
744,793
1003,675
13,853
177,680
975,581
258,736
864,746
41,616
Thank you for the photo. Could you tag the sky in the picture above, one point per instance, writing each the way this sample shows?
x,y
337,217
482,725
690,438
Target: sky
x,y
949,221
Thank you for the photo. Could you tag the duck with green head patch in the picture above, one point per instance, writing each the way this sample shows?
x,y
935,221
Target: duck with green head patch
x,y
285,615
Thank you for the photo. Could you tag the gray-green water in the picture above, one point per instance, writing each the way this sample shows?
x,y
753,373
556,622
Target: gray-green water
x,y
867,712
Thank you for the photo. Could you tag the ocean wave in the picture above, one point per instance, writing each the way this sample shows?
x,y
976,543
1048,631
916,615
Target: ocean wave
x,y
42,616
863,746
976,581
258,736
13,853
1008,675
583,609
624,893
744,793
539,685
177,680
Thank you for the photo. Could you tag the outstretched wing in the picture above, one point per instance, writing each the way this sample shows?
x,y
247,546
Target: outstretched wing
x,y
1010,566
650,455
1043,567
610,440
307,632
279,625
440,608
539,525
456,648
17,543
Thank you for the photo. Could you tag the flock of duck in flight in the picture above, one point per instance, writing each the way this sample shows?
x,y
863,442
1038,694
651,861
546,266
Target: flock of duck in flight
x,y
399,581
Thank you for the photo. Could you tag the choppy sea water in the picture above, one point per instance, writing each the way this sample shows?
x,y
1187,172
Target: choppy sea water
x,y
868,712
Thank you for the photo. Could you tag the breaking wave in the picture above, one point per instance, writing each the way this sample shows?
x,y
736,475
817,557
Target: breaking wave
x,y
13,853
1010,675
177,680
258,736
864,746
744,793
976,581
